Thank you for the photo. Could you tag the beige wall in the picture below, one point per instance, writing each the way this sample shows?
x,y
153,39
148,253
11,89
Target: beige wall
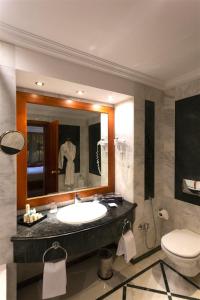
x,y
8,210
124,162
144,210
129,121
182,214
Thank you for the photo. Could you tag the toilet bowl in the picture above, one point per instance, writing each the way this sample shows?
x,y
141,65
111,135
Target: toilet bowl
x,y
182,247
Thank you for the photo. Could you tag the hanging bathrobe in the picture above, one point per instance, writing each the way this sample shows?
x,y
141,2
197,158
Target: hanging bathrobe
x,y
68,150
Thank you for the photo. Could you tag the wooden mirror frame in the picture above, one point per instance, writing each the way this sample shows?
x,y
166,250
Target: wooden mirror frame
x,y
23,98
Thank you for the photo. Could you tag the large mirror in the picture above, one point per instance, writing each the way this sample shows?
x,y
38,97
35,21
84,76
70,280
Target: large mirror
x,y
67,150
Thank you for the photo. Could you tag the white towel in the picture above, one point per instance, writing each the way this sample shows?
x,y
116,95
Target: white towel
x,y
127,246
54,279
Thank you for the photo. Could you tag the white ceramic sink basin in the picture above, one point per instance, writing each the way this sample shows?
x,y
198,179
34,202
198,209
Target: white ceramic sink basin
x,y
81,213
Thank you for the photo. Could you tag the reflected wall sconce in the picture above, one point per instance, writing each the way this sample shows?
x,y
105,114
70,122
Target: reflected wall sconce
x,y
120,144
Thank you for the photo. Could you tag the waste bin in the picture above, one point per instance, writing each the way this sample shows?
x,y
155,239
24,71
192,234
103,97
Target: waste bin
x,y
105,271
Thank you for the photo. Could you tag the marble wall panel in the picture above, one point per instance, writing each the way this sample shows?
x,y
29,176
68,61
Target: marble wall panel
x,y
182,214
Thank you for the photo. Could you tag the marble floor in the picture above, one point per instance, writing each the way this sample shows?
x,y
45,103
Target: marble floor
x,y
149,279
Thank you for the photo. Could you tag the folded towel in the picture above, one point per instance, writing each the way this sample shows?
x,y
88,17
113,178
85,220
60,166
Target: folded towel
x,y
54,279
127,246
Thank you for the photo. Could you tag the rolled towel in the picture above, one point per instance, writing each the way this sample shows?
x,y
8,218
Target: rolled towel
x,y
54,279
127,246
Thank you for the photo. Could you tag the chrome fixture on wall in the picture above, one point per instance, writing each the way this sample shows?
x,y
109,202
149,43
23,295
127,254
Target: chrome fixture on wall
x,y
145,227
12,142
120,144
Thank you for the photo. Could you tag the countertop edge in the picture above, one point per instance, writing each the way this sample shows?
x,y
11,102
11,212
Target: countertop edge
x,y
16,238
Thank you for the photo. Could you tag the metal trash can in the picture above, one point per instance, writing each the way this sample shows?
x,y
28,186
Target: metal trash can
x,y
105,271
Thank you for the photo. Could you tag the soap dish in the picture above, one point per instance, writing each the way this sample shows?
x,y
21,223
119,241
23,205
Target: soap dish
x,y
21,221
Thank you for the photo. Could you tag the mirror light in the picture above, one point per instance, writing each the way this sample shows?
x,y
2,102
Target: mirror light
x,y
39,83
110,98
80,92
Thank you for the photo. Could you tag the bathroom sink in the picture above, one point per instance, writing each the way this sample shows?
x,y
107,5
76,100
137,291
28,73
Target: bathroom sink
x,y
80,213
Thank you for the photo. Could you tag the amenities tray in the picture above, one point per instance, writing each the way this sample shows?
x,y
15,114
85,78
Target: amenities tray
x,y
112,199
21,222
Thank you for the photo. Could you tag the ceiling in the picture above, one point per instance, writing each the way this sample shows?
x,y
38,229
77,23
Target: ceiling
x,y
157,38
65,88
60,112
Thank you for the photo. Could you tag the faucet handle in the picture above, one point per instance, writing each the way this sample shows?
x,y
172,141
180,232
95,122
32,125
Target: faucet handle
x,y
77,195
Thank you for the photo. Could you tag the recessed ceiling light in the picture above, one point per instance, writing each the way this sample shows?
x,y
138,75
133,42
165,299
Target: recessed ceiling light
x,y
80,92
39,83
110,98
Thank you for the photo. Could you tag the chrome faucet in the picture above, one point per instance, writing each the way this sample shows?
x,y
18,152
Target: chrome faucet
x,y
77,198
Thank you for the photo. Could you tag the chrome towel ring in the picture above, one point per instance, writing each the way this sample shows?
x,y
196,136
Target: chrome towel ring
x,y
55,246
126,222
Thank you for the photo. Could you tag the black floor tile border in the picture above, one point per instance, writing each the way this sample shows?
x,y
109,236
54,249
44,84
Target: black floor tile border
x,y
165,280
184,277
124,293
126,281
145,255
147,289
168,293
184,297
160,292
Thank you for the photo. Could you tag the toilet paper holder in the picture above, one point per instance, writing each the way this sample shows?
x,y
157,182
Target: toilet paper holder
x,y
163,214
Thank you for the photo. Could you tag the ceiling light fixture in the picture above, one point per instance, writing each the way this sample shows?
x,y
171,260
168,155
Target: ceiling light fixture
x,y
110,98
80,92
39,83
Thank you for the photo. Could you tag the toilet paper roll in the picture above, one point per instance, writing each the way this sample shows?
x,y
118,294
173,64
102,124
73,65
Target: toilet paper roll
x,y
163,214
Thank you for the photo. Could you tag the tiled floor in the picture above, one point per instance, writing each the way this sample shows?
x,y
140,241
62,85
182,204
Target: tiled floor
x,y
158,281
149,284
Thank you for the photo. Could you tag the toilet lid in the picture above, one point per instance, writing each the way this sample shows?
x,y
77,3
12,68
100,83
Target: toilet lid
x,y
184,243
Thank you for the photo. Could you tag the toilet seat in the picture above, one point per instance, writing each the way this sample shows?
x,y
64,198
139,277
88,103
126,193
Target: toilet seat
x,y
182,243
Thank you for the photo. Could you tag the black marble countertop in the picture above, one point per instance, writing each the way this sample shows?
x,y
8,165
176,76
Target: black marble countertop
x,y
51,227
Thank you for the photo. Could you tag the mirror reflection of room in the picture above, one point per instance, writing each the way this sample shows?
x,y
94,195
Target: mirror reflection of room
x,y
67,150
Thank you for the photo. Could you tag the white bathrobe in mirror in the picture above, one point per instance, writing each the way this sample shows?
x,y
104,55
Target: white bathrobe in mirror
x,y
68,150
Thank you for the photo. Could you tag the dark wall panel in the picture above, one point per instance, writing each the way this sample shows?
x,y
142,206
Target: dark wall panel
x,y
149,148
187,145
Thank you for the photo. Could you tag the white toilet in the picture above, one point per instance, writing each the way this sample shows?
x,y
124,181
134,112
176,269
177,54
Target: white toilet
x,y
182,247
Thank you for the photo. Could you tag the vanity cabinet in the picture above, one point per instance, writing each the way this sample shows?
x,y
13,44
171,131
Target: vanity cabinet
x,y
78,240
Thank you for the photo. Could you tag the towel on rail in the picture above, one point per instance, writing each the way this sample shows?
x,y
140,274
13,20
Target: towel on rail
x,y
54,279
127,246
